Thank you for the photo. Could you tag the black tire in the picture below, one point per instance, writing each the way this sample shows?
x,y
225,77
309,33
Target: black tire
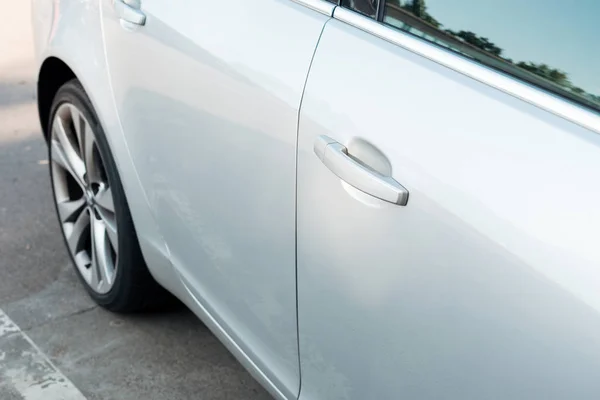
x,y
134,288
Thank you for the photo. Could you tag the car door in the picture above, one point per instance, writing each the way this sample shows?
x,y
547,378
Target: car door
x,y
484,282
208,95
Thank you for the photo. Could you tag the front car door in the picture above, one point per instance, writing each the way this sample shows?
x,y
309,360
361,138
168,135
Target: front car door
x,y
486,284
208,94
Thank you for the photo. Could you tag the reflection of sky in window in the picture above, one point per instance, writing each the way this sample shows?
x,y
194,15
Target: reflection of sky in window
x,y
560,33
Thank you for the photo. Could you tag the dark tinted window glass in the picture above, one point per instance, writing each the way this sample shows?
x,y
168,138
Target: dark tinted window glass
x,y
550,43
366,7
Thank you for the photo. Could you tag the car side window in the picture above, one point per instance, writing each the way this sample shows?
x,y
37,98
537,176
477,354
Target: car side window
x,y
547,43
366,7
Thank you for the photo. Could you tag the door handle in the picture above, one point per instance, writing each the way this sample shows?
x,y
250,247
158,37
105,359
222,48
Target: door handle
x,y
129,11
335,157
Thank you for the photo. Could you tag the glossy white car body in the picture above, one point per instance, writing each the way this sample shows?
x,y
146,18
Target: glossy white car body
x,y
485,285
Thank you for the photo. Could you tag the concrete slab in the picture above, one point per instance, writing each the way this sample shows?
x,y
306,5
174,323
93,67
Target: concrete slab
x,y
168,355
25,372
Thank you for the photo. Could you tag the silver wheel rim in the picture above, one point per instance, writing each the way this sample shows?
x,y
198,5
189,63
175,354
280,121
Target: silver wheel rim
x,y
84,198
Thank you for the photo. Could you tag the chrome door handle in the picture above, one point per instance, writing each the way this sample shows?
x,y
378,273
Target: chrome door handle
x,y
128,11
335,157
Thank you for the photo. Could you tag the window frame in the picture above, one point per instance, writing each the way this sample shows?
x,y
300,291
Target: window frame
x,y
378,12
469,51
567,105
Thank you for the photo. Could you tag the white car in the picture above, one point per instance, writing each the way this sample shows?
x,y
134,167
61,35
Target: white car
x,y
368,200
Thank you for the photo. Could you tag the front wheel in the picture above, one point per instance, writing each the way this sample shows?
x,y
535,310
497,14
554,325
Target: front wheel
x,y
92,208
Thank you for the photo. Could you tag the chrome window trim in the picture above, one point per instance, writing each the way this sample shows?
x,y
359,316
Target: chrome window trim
x,y
526,92
322,6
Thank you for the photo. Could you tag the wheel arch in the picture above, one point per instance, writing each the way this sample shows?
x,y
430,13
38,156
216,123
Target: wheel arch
x,y
53,74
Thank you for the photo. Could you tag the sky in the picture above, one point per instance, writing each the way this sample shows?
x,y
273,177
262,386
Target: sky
x,y
563,34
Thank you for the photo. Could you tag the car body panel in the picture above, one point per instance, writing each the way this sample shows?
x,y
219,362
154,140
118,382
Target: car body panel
x,y
71,31
210,118
485,285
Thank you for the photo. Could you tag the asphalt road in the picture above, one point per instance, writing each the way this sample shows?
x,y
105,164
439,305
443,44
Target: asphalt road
x,y
55,344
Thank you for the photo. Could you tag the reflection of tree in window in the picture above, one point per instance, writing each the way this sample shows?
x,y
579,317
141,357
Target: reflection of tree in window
x,y
419,9
367,7
412,16
480,42
547,72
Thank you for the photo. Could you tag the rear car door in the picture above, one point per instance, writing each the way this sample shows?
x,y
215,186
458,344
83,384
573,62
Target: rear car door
x,y
208,94
486,283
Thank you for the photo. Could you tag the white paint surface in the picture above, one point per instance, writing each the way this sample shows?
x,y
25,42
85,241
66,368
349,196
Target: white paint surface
x,y
25,370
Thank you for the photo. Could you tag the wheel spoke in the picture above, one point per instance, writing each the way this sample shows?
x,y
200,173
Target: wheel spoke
x,y
82,258
83,261
106,210
59,156
65,154
104,199
69,210
78,232
94,274
110,224
101,259
111,232
88,143
78,125
94,270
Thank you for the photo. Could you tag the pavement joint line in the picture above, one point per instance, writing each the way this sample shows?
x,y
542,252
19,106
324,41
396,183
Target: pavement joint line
x,y
56,319
24,368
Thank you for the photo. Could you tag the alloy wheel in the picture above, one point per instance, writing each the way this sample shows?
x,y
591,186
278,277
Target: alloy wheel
x,y
84,199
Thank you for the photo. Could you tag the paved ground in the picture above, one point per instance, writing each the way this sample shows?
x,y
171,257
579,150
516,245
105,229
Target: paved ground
x,y
55,344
